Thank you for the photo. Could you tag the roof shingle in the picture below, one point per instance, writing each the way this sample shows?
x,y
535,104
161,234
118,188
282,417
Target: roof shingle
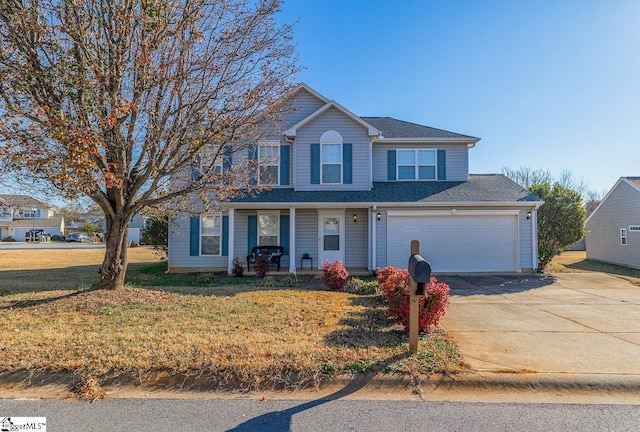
x,y
394,128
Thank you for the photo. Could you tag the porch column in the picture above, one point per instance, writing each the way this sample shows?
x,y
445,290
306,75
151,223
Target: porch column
x,y
374,242
292,240
232,224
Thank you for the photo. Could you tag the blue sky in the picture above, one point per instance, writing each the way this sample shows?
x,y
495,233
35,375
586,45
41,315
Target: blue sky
x,y
545,84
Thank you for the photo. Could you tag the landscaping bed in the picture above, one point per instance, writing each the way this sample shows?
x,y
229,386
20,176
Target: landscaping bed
x,y
209,334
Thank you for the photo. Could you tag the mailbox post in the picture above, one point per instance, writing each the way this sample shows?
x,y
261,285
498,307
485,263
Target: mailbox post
x,y
419,277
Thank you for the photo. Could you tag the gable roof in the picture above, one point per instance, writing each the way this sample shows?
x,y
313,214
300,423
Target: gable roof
x,y
40,223
303,86
24,201
394,128
372,131
484,188
632,181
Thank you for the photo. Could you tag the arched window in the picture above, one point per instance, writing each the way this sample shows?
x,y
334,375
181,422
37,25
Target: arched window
x,y
331,157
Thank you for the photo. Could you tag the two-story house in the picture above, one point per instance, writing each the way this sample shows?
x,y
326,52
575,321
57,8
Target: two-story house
x,y
359,189
22,213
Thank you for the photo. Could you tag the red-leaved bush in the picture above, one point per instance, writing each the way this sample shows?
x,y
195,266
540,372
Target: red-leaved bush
x,y
393,284
335,275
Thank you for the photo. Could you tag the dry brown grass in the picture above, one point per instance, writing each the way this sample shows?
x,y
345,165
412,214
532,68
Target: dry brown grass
x,y
215,337
576,262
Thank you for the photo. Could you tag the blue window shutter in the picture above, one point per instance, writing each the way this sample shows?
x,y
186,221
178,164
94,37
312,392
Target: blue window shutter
x,y
347,164
226,158
253,156
37,213
284,233
194,236
225,235
391,164
252,232
284,164
315,163
442,165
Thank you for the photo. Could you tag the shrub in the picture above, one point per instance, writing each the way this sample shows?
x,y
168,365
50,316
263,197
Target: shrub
x,y
360,287
335,275
206,279
288,281
238,269
394,289
262,265
268,282
8,239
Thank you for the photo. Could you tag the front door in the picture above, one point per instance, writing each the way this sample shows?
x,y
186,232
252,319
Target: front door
x,y
331,236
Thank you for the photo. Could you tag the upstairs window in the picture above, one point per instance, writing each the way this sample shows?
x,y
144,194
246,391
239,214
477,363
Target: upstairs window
x,y
623,236
269,163
417,165
211,235
28,213
331,157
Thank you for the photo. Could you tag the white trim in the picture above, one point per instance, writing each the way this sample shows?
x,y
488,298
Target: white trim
x,y
374,237
534,239
451,212
292,240
231,239
292,131
634,228
519,204
623,236
341,213
303,86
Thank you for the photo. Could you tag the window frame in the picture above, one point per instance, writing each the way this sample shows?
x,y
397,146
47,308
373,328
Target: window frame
x,y
634,228
274,163
323,163
219,235
623,237
416,165
275,213
33,213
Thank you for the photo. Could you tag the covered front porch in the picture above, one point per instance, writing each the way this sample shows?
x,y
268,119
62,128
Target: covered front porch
x,y
308,236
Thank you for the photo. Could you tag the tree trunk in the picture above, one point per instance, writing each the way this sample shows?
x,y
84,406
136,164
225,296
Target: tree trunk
x,y
114,266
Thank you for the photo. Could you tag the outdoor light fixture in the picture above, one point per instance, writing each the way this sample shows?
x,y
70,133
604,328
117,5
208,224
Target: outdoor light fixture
x,y
378,216
355,218
529,214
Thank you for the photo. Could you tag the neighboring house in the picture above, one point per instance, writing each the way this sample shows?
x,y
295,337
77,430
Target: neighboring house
x,y
135,228
359,189
21,213
613,229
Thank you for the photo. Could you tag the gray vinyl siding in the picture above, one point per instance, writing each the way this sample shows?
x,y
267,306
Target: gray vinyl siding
x,y
524,232
356,238
619,210
307,235
301,106
352,133
179,258
457,159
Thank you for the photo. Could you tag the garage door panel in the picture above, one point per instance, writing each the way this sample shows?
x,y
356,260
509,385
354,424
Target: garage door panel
x,y
455,243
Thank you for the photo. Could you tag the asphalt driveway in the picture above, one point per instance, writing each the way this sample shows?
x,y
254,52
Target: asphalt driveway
x,y
565,323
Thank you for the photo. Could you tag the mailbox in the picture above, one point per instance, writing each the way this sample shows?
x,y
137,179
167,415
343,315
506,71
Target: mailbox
x,y
420,272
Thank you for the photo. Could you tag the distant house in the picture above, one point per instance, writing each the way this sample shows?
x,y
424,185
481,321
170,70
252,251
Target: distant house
x,y
359,189
613,229
22,213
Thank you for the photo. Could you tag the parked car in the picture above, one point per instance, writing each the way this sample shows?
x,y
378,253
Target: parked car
x,y
37,235
81,237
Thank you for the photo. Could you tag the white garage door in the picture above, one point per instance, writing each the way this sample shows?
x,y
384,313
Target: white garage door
x,y
455,243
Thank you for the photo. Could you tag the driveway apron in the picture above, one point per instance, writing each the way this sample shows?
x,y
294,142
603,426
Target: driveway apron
x,y
575,323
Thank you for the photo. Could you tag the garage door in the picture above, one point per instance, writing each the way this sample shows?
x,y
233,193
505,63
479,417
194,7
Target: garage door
x,y
455,243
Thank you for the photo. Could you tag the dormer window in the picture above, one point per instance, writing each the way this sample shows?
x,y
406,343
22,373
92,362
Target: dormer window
x,y
331,157
417,164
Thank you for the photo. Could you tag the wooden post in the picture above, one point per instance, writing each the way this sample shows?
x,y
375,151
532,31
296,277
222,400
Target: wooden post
x,y
414,310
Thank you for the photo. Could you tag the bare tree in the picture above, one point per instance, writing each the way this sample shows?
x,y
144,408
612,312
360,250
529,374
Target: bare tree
x,y
527,177
119,100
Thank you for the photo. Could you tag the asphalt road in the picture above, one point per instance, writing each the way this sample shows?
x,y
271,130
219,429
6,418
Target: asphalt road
x,y
319,415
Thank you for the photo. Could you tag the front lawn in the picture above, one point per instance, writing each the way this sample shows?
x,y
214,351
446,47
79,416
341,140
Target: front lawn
x,y
202,335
